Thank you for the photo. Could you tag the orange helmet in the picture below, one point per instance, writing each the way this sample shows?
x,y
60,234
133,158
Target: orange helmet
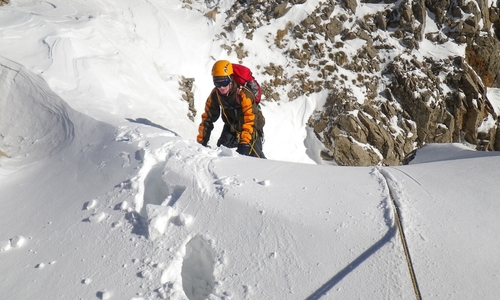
x,y
222,68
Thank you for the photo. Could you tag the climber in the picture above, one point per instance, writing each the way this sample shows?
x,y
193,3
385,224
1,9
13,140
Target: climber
x,y
243,119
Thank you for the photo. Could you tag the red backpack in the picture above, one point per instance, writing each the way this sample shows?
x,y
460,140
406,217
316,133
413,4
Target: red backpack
x,y
243,76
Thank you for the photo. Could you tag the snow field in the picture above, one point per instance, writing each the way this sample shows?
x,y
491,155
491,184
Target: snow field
x,y
107,195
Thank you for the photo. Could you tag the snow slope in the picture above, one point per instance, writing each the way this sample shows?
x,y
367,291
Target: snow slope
x,y
106,195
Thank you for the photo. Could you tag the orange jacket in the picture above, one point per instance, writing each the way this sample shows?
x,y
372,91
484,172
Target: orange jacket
x,y
237,109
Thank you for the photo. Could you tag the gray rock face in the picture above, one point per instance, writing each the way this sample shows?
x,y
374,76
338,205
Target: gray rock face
x,y
397,99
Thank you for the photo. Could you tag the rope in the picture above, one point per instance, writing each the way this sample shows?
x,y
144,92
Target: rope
x,y
224,113
254,134
397,216
254,138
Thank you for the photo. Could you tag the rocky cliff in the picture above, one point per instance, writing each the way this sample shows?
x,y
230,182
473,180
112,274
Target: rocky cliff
x,y
400,97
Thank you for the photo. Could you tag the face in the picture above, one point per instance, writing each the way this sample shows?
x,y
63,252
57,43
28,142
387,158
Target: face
x,y
224,89
223,86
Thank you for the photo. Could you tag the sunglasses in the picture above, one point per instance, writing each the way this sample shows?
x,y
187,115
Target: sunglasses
x,y
222,83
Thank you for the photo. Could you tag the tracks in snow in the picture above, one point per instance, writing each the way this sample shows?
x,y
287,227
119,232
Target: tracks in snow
x,y
395,195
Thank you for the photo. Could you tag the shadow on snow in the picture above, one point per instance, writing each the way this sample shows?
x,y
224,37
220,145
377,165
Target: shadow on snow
x,y
325,288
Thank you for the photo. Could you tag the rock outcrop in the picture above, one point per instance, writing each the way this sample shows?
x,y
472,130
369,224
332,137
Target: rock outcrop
x,y
186,86
399,97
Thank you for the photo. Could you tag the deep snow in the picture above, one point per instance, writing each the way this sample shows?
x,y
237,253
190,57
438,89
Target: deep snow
x,y
106,194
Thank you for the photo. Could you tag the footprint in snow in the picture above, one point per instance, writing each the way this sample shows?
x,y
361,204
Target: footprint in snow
x,y
42,265
13,243
104,295
263,182
160,217
197,269
98,217
90,205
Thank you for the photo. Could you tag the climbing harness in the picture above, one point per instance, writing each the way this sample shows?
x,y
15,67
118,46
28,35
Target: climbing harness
x,y
238,133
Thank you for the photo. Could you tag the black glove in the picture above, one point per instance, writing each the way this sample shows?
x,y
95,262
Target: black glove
x,y
243,149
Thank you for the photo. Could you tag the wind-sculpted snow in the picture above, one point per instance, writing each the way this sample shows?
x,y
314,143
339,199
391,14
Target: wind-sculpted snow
x,y
92,57
122,203
195,223
187,194
212,192
34,122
